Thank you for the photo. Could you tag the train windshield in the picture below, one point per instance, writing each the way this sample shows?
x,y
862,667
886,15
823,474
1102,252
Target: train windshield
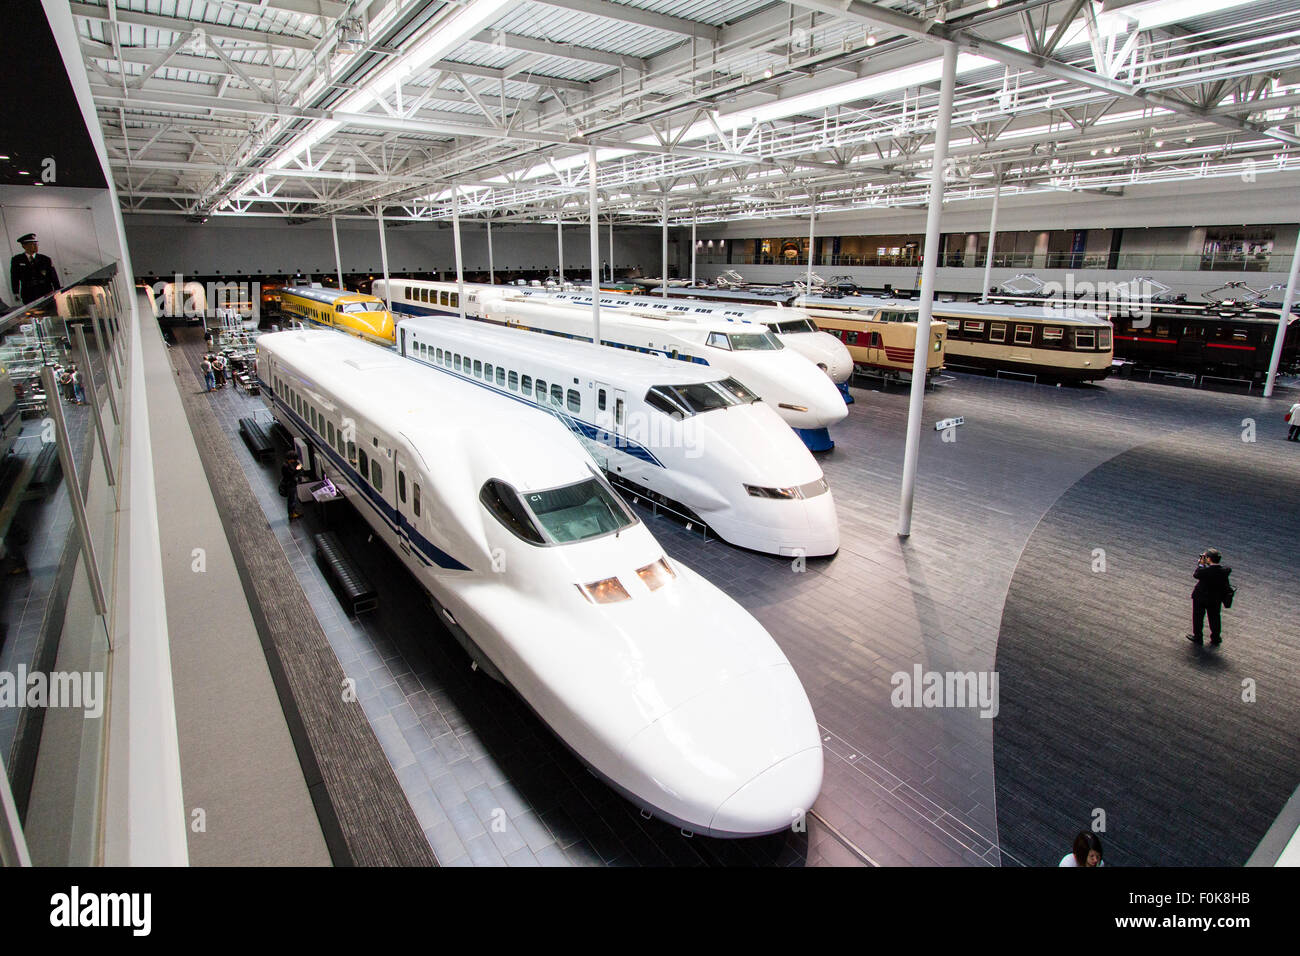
x,y
576,512
353,308
688,400
793,326
754,341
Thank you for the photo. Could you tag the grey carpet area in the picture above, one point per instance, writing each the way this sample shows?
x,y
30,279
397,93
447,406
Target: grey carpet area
x,y
1105,705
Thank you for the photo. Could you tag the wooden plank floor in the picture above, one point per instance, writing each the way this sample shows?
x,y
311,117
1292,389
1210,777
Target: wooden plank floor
x,y
365,816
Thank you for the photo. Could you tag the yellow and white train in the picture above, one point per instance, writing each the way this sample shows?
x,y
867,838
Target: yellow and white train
x,y
353,312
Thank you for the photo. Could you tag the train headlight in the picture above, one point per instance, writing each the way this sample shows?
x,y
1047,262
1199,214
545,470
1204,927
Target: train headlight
x,y
608,591
656,575
760,492
938,344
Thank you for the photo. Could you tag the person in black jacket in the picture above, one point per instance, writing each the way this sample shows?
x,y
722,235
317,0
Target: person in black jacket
x,y
1208,595
290,475
32,275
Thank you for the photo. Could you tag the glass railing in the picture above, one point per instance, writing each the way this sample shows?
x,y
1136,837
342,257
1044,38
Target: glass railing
x,y
62,370
1140,261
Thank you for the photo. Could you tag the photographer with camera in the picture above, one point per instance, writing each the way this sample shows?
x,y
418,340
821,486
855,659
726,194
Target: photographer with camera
x,y
1212,593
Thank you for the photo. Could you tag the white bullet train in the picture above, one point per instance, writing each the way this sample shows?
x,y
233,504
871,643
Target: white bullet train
x,y
663,685
794,327
801,394
686,432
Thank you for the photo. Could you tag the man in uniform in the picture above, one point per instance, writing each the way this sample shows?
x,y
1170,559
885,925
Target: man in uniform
x,y
32,275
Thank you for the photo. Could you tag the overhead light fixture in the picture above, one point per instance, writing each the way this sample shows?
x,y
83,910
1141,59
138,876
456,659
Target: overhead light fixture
x,y
871,38
993,4
1159,143
767,74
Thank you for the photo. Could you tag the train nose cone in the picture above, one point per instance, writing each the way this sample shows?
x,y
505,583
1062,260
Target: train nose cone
x,y
755,730
785,790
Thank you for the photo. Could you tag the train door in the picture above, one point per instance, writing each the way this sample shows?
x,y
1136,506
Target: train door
x,y
401,348
404,493
1191,345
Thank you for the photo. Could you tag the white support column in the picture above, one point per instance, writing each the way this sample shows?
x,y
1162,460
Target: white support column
x,y
492,272
611,248
812,223
1282,321
455,238
338,260
993,238
694,221
921,355
663,276
593,210
383,258
559,239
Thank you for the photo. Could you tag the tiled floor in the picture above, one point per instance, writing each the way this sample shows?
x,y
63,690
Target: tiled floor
x,y
491,785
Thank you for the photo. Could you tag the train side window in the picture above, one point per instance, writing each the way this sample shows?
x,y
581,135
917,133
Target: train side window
x,y
501,377
438,356
377,475
1024,334
330,433
352,452
850,338
514,381
574,400
478,369
1162,330
415,498
618,411
401,486
313,419
526,384
442,298
877,340
363,464
719,340
453,299
1083,338
446,359
971,326
1240,335
997,332
487,371
600,400
541,390
1103,339
457,362
557,395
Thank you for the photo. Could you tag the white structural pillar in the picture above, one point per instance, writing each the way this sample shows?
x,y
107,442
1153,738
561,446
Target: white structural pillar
x,y
593,210
921,356
812,225
455,238
663,276
492,272
1282,321
559,240
338,260
694,220
383,259
993,238
611,248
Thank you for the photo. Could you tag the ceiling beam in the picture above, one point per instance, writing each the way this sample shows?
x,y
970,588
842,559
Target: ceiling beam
x,y
183,25
625,14
568,51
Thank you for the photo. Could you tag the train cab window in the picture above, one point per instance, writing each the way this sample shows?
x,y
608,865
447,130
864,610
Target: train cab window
x,y
502,502
573,400
478,369
1085,338
557,395
600,400
719,341
401,486
526,384
501,377
1024,334
514,381
1103,339
997,332
576,512
363,465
